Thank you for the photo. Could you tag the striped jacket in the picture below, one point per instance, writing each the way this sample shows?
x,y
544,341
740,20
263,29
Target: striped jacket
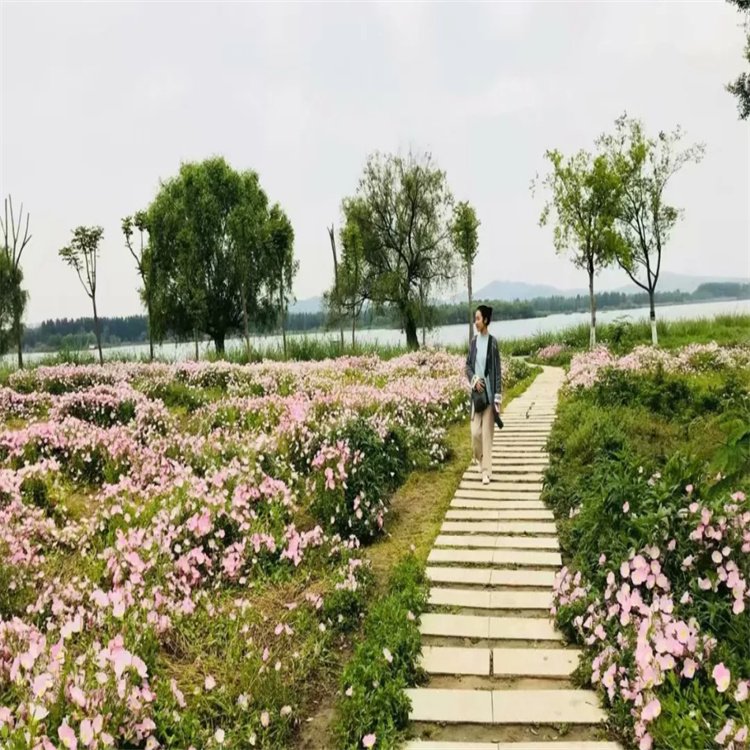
x,y
493,370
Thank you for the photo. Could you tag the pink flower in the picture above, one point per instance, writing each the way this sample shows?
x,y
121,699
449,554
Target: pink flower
x,y
741,735
652,710
87,732
368,740
265,719
688,669
740,694
721,676
721,737
219,736
626,507
210,683
67,736
388,656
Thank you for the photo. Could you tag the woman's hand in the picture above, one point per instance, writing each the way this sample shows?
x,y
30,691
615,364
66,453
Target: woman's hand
x,y
479,385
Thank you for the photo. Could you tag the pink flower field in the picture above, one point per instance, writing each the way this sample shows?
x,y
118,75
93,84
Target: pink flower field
x,y
180,546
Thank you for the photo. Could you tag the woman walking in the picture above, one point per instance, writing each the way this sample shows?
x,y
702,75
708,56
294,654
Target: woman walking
x,y
483,373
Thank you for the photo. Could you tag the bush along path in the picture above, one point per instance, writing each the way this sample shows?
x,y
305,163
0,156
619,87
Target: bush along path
x,y
499,673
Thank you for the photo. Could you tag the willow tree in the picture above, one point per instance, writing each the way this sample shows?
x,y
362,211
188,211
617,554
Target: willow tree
x,y
282,265
210,238
644,166
583,197
403,208
465,236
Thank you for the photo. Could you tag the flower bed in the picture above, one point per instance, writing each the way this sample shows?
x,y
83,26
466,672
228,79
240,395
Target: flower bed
x,y
175,573
655,521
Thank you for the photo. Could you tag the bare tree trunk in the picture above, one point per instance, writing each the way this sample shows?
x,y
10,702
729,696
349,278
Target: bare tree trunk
x,y
471,317
19,334
283,322
197,353
97,331
150,333
592,304
245,324
422,313
652,316
410,327
354,326
332,235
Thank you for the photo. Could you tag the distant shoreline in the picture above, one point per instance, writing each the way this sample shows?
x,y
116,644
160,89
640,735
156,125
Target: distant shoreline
x,y
259,341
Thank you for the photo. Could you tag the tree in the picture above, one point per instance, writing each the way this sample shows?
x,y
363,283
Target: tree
x,y
209,243
584,196
142,257
248,230
82,255
336,299
465,237
741,87
401,210
16,297
7,284
644,167
283,266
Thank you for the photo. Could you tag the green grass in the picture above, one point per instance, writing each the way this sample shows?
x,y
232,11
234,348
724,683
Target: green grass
x,y
728,330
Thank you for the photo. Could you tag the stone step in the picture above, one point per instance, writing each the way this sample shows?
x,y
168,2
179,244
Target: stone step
x,y
523,578
519,456
505,706
467,502
456,661
535,558
488,493
492,628
480,599
502,486
534,662
468,514
496,541
503,475
549,745
499,527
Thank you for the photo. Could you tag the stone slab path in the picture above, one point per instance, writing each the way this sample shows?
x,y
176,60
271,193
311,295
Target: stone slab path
x,y
500,674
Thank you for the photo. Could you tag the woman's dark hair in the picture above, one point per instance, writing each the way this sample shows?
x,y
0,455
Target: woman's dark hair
x,y
486,313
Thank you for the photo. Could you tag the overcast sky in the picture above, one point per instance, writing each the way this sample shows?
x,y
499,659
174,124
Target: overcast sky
x,y
102,100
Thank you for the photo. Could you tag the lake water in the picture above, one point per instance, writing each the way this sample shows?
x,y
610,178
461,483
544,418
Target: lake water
x,y
446,335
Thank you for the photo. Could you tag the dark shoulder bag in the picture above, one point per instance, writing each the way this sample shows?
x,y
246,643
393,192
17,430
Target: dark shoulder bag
x,y
479,399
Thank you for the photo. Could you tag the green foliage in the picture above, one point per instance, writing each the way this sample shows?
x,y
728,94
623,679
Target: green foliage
x,y
622,336
584,197
372,699
644,167
464,232
7,283
628,458
740,88
82,254
401,215
218,255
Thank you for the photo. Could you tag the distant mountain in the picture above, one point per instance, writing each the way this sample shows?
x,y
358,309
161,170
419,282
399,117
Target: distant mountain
x,y
308,305
522,290
512,290
672,282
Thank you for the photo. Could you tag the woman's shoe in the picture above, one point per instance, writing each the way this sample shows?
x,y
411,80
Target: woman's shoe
x,y
485,479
